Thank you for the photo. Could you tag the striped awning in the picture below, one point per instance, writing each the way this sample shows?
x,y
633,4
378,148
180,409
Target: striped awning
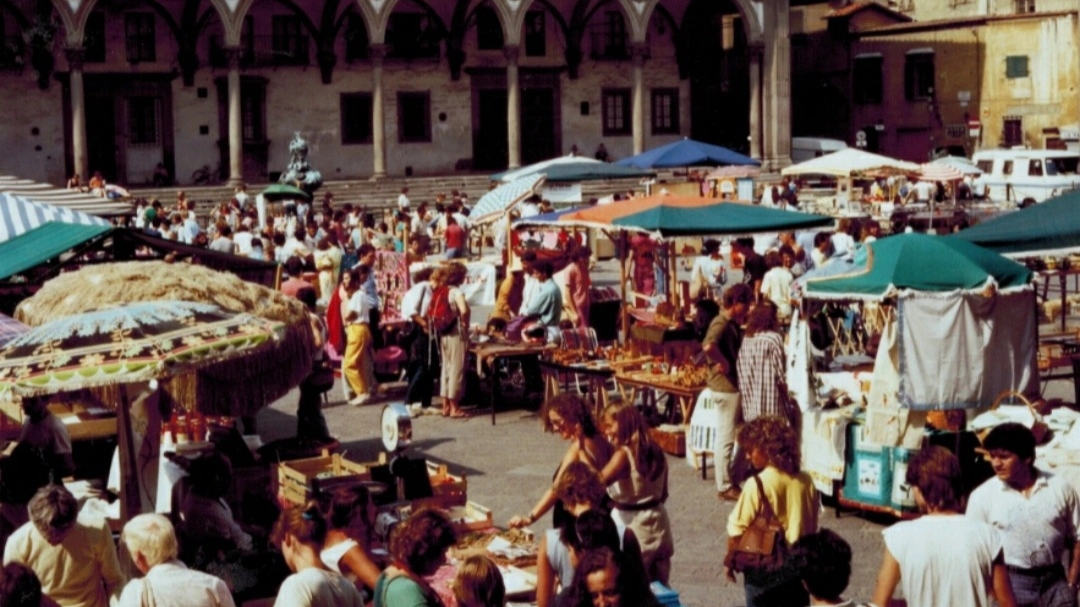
x,y
19,215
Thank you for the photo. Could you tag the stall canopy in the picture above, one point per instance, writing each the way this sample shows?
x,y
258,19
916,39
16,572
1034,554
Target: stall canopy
x,y
963,165
19,214
1047,228
681,216
964,329
33,248
540,167
496,203
687,153
919,262
62,197
720,218
849,162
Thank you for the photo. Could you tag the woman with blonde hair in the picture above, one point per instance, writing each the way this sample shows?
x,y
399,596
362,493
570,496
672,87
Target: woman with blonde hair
x,y
772,446
479,583
637,481
447,301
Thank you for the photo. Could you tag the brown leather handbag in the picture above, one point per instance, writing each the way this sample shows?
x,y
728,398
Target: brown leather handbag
x,y
762,548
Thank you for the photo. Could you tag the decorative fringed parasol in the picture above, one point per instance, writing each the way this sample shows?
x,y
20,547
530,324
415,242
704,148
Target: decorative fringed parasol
x,y
231,387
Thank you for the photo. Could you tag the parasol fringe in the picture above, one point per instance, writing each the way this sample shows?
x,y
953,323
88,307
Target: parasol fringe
x,y
236,387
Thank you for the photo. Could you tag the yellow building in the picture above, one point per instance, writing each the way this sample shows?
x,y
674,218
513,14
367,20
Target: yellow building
x,y
964,83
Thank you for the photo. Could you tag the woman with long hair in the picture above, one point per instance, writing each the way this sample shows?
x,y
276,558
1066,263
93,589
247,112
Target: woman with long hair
x,y
761,365
346,549
772,446
299,532
602,579
569,416
637,479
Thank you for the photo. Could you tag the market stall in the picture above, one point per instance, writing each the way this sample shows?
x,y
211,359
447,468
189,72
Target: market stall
x,y
918,306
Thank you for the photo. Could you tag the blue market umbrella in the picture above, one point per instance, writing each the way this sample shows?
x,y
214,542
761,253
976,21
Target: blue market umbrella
x,y
502,199
685,153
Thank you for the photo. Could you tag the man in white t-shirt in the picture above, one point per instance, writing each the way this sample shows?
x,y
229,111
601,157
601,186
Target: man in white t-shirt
x,y
403,200
1037,513
943,557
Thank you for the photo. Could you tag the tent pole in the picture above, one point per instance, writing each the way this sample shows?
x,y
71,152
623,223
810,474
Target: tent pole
x,y
130,503
622,248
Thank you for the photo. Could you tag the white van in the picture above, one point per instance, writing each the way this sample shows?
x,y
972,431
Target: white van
x,y
1027,176
808,148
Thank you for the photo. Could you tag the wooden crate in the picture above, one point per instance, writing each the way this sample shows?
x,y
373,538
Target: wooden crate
x,y
449,489
300,480
470,517
672,443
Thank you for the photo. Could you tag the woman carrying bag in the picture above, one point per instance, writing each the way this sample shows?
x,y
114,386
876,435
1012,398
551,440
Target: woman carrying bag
x,y
777,506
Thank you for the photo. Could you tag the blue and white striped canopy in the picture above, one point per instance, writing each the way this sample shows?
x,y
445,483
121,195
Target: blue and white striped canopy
x,y
19,215
499,201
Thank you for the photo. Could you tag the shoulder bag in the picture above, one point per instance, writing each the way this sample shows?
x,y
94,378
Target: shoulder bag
x,y
762,548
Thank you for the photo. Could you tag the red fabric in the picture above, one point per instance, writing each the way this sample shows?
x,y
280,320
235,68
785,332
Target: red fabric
x,y
335,328
440,311
455,237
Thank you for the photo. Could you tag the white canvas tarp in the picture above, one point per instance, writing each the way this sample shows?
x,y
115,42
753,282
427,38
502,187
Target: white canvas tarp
x,y
960,350
848,162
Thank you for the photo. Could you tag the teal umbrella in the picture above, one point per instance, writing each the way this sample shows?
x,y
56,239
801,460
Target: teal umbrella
x,y
284,191
922,263
719,219
1047,228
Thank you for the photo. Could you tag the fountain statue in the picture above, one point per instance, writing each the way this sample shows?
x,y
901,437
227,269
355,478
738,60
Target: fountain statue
x,y
299,172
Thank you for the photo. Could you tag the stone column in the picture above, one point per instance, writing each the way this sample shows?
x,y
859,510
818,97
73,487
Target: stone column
x,y
640,52
377,52
513,106
234,56
80,156
755,101
776,74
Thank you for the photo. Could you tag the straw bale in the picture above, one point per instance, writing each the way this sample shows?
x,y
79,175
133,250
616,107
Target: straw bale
x,y
236,387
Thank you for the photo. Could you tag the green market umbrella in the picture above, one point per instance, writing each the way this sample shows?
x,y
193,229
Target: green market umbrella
x,y
723,218
919,262
284,191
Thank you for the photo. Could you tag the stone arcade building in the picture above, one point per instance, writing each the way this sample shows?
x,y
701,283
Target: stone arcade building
x,y
381,86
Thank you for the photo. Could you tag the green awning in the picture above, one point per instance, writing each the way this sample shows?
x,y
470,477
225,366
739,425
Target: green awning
x,y
722,218
41,244
922,263
1047,228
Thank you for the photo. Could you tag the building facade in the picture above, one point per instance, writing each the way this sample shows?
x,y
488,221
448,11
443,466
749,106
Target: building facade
x,y
381,86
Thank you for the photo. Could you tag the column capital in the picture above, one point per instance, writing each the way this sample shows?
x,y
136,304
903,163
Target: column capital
x,y
511,52
234,56
378,52
639,52
76,56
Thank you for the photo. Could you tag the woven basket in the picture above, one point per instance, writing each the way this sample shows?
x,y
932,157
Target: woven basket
x,y
1039,428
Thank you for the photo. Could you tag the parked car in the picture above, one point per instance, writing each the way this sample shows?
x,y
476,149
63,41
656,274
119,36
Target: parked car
x,y
1027,176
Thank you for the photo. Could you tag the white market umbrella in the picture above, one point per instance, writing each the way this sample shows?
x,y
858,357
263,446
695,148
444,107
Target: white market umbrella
x,y
964,165
850,162
496,203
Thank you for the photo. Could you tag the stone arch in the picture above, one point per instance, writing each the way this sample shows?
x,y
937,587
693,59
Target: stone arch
x,y
751,11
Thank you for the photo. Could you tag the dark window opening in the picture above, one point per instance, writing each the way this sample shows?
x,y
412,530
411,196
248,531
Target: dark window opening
x,y
288,43
414,117
143,120
356,118
616,104
1016,66
919,76
489,34
139,37
535,34
412,36
356,39
867,80
665,111
94,38
1013,135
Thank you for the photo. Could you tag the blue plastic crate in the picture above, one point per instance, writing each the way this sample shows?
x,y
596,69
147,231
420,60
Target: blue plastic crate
x,y
666,596
868,474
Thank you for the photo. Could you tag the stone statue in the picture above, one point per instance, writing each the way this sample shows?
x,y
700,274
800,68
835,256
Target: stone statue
x,y
299,172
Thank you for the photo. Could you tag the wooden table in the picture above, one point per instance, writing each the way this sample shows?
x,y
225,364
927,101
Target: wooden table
x,y
651,385
556,378
489,354
1063,284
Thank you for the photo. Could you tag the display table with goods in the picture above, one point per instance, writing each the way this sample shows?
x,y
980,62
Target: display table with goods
x,y
651,380
492,353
